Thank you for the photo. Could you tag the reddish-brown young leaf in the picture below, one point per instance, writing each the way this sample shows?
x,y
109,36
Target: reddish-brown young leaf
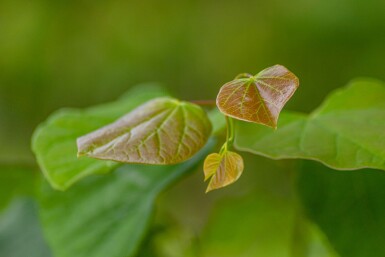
x,y
223,169
258,98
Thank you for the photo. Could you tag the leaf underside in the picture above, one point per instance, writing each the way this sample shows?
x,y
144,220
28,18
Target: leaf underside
x,y
161,131
260,98
223,169
346,132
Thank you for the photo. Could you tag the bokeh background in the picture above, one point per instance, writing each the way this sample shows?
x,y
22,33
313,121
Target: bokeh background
x,y
57,54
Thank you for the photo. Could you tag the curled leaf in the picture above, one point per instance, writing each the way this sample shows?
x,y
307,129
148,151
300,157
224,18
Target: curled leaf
x,y
223,169
161,131
258,98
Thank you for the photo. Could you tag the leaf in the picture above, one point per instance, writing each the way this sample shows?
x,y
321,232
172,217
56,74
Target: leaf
x,y
107,215
223,169
259,98
349,206
54,141
261,225
346,132
15,181
20,231
161,131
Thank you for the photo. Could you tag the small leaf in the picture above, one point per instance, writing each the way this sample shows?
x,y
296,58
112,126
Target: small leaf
x,y
346,132
258,98
161,131
224,169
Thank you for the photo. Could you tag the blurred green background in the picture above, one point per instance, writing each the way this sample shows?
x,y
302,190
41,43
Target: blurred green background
x,y
57,54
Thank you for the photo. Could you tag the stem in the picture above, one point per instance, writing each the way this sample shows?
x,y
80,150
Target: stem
x,y
204,102
229,135
230,131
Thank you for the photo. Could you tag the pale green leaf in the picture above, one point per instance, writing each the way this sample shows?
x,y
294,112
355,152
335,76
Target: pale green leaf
x,y
346,132
107,215
54,142
161,131
222,169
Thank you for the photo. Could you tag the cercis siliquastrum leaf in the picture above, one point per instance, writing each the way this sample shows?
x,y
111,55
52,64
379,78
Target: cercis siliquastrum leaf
x,y
258,99
161,131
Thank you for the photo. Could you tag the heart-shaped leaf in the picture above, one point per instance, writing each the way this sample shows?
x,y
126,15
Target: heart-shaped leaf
x,y
161,131
223,169
258,98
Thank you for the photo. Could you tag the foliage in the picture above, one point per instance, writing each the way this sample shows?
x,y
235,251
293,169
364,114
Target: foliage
x,y
109,213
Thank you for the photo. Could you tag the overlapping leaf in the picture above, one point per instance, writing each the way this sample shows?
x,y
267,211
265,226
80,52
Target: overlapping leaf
x,y
161,131
346,132
54,142
107,215
222,169
258,98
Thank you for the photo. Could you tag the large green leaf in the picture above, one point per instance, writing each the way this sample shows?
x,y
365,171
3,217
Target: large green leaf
x,y
54,142
15,181
262,225
349,206
346,132
20,231
107,215
161,131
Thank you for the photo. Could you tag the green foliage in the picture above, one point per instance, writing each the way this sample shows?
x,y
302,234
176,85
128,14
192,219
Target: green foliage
x,y
54,142
349,206
161,131
107,215
346,132
262,225
20,231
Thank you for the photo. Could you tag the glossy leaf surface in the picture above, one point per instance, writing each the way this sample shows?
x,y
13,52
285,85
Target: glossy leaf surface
x,y
259,98
222,169
54,142
349,206
346,132
107,215
161,131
